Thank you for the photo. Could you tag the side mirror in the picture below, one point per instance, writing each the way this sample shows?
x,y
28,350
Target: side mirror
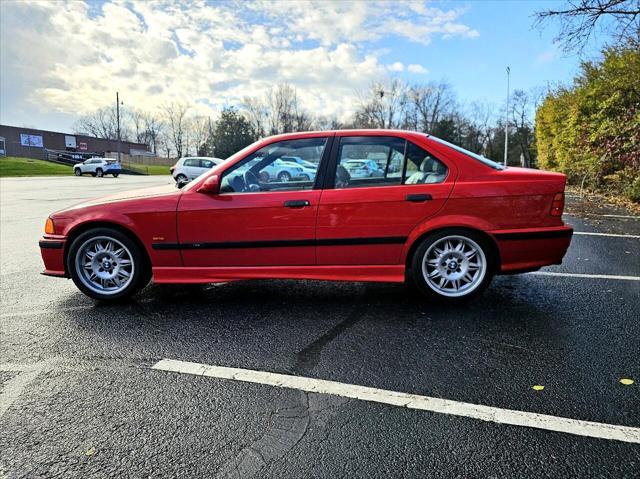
x,y
211,185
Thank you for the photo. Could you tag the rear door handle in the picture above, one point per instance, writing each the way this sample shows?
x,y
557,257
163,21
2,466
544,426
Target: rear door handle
x,y
418,198
296,203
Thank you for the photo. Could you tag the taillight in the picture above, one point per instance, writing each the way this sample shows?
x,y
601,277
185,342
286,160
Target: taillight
x,y
49,228
557,205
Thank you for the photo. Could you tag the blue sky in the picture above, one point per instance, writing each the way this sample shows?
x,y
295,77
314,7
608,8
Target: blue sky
x,y
62,60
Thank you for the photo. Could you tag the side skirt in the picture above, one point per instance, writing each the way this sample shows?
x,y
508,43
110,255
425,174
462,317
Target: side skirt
x,y
375,273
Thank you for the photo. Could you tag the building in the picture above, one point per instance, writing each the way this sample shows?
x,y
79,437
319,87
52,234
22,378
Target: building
x,y
33,143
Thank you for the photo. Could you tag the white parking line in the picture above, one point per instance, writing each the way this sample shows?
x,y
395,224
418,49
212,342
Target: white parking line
x,y
622,216
613,235
592,276
411,401
37,312
12,389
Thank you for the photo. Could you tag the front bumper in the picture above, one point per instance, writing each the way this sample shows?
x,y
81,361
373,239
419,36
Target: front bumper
x,y
52,250
530,249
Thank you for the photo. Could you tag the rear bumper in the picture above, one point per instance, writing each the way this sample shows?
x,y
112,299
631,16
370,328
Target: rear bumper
x,y
530,249
52,252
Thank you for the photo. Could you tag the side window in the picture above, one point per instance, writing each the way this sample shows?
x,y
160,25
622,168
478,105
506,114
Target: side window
x,y
191,162
369,161
271,169
206,164
422,167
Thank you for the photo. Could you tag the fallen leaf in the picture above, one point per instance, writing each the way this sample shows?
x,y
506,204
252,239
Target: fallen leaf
x,y
91,451
626,381
537,387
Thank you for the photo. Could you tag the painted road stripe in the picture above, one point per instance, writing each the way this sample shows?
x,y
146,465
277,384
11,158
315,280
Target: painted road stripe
x,y
586,233
592,276
622,216
411,401
38,312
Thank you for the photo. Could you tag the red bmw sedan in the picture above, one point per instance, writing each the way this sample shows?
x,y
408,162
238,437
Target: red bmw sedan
x,y
372,205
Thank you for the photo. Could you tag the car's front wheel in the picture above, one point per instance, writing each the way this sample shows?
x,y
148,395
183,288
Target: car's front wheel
x,y
115,175
106,264
77,172
453,265
284,177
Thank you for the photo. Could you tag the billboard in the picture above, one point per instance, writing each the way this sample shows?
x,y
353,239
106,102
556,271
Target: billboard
x,y
31,140
69,141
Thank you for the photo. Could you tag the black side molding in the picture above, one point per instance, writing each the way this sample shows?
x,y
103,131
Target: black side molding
x,y
50,244
534,235
282,243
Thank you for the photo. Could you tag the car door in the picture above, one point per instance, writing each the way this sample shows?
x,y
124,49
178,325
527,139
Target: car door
x,y
366,220
254,220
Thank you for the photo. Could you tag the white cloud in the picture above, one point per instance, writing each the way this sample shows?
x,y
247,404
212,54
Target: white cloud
x,y
70,58
415,68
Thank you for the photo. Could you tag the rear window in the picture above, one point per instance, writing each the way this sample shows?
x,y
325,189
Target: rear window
x,y
475,156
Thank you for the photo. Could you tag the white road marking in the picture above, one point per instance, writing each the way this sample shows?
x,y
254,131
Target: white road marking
x,y
12,389
622,216
592,276
411,401
613,235
37,312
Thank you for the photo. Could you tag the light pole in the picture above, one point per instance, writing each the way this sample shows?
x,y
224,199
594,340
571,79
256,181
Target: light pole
x,y
118,120
506,123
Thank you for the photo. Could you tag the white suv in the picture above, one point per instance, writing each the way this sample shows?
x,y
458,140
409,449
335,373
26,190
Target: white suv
x,y
191,167
97,167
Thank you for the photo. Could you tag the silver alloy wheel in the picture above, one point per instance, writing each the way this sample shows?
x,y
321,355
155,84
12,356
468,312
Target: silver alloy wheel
x,y
104,265
454,266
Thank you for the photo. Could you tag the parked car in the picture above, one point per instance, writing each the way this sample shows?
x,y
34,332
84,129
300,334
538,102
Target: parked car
x,y
98,167
281,171
188,168
309,169
363,168
460,220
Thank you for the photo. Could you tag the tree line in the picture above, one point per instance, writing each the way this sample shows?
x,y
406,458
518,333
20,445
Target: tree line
x,y
173,131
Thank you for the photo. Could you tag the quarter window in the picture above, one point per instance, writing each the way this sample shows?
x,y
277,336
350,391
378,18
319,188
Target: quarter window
x,y
385,161
272,168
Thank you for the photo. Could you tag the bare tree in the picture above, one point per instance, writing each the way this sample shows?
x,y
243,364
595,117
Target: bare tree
x,y
429,103
581,19
154,127
198,128
103,123
256,113
175,117
383,105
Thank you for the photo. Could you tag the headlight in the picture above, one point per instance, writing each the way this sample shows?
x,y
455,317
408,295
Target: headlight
x,y
49,228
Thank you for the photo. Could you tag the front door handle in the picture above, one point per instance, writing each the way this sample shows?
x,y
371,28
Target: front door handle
x,y
296,203
418,198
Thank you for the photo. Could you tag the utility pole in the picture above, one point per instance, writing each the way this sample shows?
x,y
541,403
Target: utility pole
x,y
118,120
506,123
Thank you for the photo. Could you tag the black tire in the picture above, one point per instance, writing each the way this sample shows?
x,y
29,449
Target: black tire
x,y
77,172
99,173
180,178
115,175
284,177
141,272
429,289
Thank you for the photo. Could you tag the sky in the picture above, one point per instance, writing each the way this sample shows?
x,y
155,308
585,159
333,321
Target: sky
x,y
60,60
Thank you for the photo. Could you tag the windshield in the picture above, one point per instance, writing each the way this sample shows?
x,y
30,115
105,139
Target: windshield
x,y
475,156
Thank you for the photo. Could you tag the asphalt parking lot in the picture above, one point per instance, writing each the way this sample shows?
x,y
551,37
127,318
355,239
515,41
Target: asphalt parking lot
x,y
79,396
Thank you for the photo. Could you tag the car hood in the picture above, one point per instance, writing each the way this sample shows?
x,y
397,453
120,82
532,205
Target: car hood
x,y
141,193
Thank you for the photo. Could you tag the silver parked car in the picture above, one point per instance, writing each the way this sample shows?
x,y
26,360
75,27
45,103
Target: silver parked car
x,y
191,167
98,167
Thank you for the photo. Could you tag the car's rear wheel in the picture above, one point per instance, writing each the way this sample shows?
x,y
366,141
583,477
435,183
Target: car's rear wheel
x,y
284,177
453,265
181,177
77,172
115,175
106,264
99,173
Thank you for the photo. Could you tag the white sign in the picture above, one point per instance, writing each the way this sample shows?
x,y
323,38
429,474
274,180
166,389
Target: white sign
x,y
69,141
31,140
